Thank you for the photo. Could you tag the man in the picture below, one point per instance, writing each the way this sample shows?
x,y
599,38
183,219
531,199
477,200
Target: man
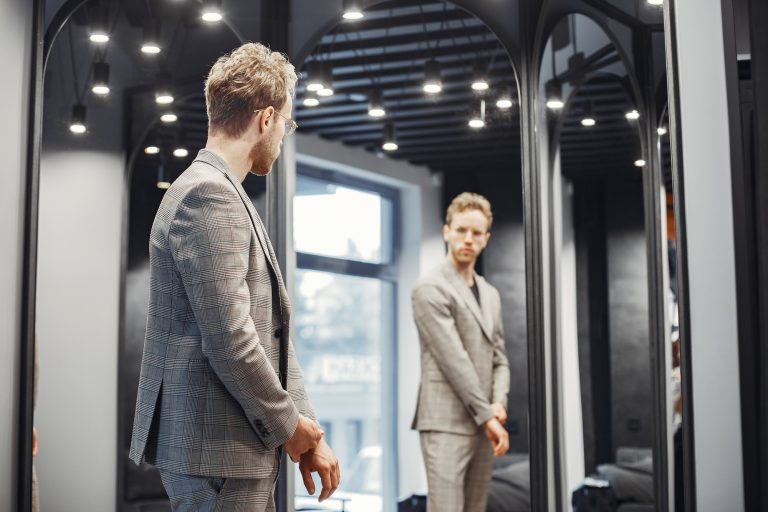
x,y
220,388
464,370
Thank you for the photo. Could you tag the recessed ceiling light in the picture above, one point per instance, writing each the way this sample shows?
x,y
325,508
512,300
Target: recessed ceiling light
x,y
639,162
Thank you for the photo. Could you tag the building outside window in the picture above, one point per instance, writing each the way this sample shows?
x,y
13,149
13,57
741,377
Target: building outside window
x,y
345,328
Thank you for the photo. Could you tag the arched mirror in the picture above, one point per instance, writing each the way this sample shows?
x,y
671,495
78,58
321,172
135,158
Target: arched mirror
x,y
414,97
595,160
124,115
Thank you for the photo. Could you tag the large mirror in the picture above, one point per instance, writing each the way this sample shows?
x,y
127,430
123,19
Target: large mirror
x,y
596,161
362,202
425,89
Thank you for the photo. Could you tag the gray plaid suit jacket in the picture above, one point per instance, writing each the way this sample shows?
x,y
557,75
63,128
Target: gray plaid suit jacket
x,y
210,399
464,365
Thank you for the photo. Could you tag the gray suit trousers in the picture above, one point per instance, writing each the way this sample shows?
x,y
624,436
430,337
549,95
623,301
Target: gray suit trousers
x,y
190,493
458,471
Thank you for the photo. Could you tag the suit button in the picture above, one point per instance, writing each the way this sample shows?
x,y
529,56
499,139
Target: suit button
x,y
278,332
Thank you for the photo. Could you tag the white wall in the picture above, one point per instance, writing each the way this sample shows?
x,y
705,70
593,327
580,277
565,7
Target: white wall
x,y
77,320
15,53
422,249
711,269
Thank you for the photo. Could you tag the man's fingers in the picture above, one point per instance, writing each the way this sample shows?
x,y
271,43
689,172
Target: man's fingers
x,y
306,475
325,478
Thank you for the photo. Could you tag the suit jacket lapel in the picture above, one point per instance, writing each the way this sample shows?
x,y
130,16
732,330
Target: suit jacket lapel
x,y
261,233
469,299
485,303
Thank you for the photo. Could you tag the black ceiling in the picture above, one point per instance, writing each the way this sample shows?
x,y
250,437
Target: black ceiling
x,y
388,49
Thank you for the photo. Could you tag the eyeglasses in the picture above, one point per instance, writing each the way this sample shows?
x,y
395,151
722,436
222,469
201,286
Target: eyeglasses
x,y
463,232
290,124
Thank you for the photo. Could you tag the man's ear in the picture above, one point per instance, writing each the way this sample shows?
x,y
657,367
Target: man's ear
x,y
446,229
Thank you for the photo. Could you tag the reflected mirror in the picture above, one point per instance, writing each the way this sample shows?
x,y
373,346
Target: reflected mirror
x,y
596,163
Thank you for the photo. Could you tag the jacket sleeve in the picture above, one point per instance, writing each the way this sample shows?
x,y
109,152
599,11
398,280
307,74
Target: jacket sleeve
x,y
296,385
501,375
209,238
437,330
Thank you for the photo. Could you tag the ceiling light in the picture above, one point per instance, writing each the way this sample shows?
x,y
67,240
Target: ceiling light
x,y
390,142
587,119
376,104
211,12
97,31
100,78
326,75
163,94
181,152
639,162
311,101
151,150
150,41
480,80
162,183
661,130
632,115
315,76
477,119
554,95
353,10
504,101
432,81
77,122
656,2
169,117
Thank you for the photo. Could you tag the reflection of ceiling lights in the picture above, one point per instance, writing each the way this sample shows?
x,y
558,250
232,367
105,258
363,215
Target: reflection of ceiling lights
x,y
353,10
588,118
97,32
554,95
77,123
211,12
151,150
661,130
632,115
480,79
310,100
315,76
169,117
656,2
477,120
639,162
390,142
432,82
100,78
150,41
181,152
325,92
376,104
504,101
163,94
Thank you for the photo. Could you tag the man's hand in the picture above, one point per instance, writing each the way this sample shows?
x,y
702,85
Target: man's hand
x,y
305,438
498,437
324,462
499,412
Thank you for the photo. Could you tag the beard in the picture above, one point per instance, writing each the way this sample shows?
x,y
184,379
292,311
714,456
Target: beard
x,y
263,157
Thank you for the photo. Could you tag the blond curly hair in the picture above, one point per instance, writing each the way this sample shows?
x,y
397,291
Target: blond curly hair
x,y
249,78
469,201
